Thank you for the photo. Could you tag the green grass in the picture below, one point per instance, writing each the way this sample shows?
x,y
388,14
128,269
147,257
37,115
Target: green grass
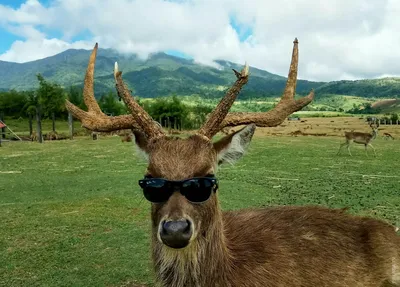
x,y
21,126
72,214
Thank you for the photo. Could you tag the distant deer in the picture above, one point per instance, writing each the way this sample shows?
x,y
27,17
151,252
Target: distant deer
x,y
388,136
360,138
126,138
94,135
52,135
195,243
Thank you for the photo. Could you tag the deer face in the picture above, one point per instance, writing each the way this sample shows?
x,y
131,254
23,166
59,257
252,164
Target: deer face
x,y
374,128
181,184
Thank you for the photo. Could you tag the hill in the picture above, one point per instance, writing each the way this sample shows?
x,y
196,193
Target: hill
x,y
369,88
159,75
162,75
387,106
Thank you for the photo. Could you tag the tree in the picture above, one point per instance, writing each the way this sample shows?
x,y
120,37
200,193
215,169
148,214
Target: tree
x,y
30,106
75,96
12,103
110,105
51,98
394,118
170,112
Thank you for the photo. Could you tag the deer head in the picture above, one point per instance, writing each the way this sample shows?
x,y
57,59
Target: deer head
x,y
180,178
374,127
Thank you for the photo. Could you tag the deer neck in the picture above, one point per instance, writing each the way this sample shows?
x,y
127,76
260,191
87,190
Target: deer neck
x,y
374,134
205,262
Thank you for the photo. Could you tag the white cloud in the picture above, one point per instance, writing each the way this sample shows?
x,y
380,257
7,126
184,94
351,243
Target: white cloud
x,y
34,49
31,12
27,31
339,39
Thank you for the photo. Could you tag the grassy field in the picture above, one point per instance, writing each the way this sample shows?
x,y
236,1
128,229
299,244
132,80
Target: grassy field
x,y
21,126
330,125
72,214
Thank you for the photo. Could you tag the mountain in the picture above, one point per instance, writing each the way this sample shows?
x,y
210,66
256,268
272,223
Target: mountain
x,y
159,75
371,88
162,75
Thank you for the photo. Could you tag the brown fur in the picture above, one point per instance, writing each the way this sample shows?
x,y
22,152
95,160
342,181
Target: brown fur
x,y
276,246
360,138
177,159
126,138
52,136
387,136
34,136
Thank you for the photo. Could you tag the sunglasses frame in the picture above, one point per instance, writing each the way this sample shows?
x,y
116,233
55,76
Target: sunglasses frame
x,y
172,186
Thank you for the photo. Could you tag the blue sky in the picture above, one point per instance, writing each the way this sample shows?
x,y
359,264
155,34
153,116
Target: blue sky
x,y
338,39
8,38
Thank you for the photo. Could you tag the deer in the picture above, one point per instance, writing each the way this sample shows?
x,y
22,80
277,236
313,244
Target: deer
x,y
388,136
360,138
195,243
126,138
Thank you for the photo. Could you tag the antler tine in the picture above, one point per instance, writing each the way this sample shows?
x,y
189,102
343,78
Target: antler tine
x,y
290,88
143,119
212,125
286,106
101,123
88,91
94,119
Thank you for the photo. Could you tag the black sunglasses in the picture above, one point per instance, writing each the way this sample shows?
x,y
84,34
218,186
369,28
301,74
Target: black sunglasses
x,y
196,190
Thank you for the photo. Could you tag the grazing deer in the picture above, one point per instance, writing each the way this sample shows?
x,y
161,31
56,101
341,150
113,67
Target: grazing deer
x,y
388,136
360,138
126,138
51,136
195,243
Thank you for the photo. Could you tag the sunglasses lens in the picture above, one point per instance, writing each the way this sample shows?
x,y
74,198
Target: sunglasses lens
x,y
155,190
197,189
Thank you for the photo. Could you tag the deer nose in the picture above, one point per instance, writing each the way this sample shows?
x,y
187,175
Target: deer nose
x,y
176,234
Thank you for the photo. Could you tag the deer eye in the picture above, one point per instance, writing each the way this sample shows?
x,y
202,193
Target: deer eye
x,y
148,176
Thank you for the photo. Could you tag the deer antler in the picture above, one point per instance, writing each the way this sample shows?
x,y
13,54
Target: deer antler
x,y
212,125
284,108
142,118
95,119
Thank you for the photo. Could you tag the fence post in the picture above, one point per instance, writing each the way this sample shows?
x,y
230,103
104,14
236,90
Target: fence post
x,y
39,125
30,125
70,125
53,118
3,130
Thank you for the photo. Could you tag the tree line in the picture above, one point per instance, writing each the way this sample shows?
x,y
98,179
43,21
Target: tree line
x,y
48,101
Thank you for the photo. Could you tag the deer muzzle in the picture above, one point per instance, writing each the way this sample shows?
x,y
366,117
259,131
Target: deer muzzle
x,y
176,233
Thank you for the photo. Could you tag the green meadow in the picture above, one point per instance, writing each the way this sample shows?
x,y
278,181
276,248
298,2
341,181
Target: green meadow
x,y
72,213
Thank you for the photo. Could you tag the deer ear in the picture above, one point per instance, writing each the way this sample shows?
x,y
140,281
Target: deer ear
x,y
232,147
141,142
